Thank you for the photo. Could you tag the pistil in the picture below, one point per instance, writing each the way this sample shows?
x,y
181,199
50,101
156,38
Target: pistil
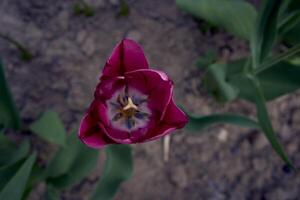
x,y
130,109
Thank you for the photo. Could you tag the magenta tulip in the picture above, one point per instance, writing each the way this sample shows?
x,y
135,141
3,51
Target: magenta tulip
x,y
132,103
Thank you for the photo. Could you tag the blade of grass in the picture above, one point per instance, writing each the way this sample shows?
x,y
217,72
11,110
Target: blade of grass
x,y
9,116
265,33
15,188
264,120
271,62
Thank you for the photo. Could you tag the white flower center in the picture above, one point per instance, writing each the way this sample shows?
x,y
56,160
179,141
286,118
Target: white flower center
x,y
128,110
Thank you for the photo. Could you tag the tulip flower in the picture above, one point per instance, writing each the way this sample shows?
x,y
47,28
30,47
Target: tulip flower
x,y
132,103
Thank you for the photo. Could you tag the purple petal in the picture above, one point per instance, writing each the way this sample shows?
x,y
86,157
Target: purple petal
x,y
156,85
108,86
173,119
127,56
98,112
92,134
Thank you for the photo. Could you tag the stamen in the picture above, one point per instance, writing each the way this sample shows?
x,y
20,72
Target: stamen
x,y
128,110
117,117
115,105
122,100
139,101
141,115
130,105
130,123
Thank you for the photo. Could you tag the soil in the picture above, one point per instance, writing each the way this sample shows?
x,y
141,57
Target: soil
x,y
222,162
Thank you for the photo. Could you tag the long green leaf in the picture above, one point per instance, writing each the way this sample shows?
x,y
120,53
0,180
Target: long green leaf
x,y
6,149
8,171
118,168
275,60
202,122
284,8
237,17
10,153
264,120
215,82
265,32
9,116
289,22
71,163
19,153
280,79
14,189
50,128
292,37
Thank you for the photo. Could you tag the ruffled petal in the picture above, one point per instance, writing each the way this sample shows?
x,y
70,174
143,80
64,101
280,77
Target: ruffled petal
x,y
108,86
98,111
125,137
154,84
127,56
173,119
92,134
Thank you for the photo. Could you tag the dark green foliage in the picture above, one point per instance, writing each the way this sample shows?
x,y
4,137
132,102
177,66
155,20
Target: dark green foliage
x,y
237,17
15,187
118,168
260,78
9,116
50,128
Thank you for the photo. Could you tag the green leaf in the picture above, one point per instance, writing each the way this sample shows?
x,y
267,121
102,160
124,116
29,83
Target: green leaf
x,y
289,22
14,189
208,58
236,17
37,175
215,82
9,151
50,128
5,143
278,58
9,116
8,171
279,80
51,193
292,36
6,149
71,163
265,32
284,8
19,153
264,120
198,123
118,168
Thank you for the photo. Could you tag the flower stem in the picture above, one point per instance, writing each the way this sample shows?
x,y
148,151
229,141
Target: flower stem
x,y
166,147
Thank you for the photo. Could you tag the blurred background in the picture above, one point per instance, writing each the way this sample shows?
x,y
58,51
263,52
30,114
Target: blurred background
x,y
69,48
